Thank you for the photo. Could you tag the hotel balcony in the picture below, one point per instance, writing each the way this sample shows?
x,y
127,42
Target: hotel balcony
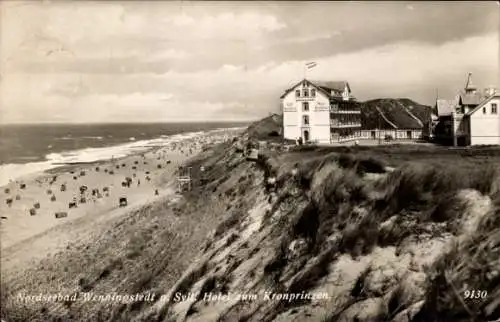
x,y
337,110
339,124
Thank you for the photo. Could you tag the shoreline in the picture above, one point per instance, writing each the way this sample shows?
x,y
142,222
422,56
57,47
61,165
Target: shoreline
x,y
25,237
129,148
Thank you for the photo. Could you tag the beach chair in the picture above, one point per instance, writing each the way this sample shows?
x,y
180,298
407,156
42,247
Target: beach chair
x,y
61,214
123,202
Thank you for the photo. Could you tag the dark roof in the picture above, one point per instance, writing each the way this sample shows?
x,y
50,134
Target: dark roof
x,y
393,113
325,86
470,98
337,86
445,107
484,101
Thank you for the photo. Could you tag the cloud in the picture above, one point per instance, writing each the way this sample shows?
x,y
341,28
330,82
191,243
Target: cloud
x,y
96,61
228,24
182,20
232,68
314,37
409,69
167,54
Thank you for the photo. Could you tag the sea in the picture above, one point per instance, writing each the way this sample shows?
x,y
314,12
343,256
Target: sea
x,y
27,149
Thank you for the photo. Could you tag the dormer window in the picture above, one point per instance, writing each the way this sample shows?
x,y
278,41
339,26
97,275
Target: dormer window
x,y
484,110
306,92
297,93
494,108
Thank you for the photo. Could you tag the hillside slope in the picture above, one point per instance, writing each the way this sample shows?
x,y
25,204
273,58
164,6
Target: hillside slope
x,y
375,237
384,113
269,128
380,246
403,113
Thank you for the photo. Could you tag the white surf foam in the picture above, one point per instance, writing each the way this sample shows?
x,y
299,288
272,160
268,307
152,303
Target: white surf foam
x,y
17,171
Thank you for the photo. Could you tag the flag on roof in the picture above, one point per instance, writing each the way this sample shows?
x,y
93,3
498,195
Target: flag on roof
x,y
311,65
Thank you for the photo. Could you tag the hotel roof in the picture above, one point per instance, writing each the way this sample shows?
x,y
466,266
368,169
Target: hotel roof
x,y
327,87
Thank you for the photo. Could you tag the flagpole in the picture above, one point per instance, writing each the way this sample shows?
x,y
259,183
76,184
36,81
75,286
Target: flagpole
x,y
307,66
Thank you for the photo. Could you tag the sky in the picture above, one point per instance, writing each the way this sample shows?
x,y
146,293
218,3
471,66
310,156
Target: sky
x,y
166,61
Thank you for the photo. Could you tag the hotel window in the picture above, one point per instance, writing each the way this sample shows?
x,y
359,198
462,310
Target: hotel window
x,y
494,108
305,106
306,92
306,119
313,92
297,93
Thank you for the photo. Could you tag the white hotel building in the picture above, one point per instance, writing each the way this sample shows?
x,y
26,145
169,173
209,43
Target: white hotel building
x,y
320,112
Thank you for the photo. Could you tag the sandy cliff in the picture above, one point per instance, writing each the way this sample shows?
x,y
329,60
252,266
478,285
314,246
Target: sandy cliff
x,y
311,234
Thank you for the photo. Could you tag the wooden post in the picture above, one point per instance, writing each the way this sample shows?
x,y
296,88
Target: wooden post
x,y
379,134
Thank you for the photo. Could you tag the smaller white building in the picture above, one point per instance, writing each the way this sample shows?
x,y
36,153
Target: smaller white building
x,y
484,122
472,118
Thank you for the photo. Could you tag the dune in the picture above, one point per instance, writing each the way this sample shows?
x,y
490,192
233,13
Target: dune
x,y
373,234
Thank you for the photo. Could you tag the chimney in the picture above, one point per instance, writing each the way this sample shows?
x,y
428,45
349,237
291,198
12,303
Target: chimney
x,y
490,90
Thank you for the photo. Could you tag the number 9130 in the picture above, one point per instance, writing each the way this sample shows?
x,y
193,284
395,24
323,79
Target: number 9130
x,y
475,294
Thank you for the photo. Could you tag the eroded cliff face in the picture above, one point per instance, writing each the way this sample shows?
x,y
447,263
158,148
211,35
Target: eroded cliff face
x,y
337,237
297,236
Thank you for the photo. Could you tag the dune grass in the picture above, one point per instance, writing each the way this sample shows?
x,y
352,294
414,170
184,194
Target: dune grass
x,y
473,265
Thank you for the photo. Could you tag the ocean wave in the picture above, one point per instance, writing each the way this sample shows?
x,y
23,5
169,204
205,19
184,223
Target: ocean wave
x,y
15,171
92,137
69,137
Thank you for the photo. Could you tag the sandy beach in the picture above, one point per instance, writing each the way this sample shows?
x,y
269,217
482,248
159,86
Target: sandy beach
x,y
84,196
